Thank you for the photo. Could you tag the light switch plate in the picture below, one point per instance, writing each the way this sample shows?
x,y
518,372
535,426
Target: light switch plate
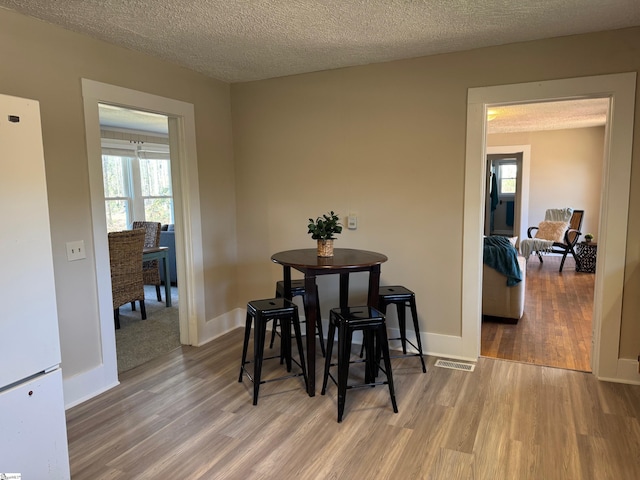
x,y
352,222
75,250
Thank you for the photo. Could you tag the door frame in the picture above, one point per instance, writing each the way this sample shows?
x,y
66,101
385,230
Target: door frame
x,y
522,154
184,173
612,236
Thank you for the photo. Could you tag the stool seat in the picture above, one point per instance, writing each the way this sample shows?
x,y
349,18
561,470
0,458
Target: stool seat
x,y
271,307
298,290
372,323
402,298
263,311
395,293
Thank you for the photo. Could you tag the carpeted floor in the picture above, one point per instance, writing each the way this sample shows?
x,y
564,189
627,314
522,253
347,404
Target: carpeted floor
x,y
138,341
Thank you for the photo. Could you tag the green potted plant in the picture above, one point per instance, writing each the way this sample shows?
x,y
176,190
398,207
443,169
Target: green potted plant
x,y
323,230
588,237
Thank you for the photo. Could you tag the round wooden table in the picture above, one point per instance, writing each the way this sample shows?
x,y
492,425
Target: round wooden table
x,y
343,262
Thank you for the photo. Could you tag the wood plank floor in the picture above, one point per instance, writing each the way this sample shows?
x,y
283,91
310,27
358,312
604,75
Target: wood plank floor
x,y
184,415
556,328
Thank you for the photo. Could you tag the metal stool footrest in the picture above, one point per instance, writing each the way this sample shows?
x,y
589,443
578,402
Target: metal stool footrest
x,y
283,377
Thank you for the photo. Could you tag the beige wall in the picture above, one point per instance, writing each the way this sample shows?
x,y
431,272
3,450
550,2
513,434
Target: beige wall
x,y
388,141
566,171
355,140
46,63
385,141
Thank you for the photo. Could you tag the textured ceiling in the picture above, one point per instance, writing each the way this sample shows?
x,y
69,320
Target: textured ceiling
x,y
530,117
242,40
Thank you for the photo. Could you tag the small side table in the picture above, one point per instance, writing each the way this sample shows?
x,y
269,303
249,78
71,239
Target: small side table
x,y
586,253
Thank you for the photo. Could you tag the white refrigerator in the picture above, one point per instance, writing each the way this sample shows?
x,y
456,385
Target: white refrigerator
x,y
33,435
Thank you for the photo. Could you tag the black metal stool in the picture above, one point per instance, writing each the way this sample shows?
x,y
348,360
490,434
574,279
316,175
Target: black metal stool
x,y
262,311
402,298
372,324
297,289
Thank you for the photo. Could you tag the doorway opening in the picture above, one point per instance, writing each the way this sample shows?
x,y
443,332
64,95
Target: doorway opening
x,y
555,328
619,89
504,184
188,239
136,171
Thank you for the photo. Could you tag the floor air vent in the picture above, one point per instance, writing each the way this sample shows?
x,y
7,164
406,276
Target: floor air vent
x,y
467,367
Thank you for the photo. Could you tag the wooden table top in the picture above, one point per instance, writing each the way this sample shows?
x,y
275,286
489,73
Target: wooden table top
x,y
307,258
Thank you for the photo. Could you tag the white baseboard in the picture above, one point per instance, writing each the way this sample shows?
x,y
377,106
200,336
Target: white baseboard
x,y
221,325
627,372
435,345
86,385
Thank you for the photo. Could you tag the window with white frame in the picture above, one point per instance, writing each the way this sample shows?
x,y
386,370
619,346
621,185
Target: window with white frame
x,y
116,173
137,184
507,174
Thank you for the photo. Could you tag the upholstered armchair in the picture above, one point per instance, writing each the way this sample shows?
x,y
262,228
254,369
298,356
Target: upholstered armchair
x,y
558,233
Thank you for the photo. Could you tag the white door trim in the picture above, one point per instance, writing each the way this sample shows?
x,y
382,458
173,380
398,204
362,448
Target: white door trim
x,y
189,257
612,236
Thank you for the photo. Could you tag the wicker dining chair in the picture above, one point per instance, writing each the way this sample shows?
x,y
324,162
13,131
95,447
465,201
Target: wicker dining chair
x,y
151,268
125,258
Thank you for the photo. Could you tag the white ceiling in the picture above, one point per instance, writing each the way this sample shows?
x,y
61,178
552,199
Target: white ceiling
x,y
244,40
